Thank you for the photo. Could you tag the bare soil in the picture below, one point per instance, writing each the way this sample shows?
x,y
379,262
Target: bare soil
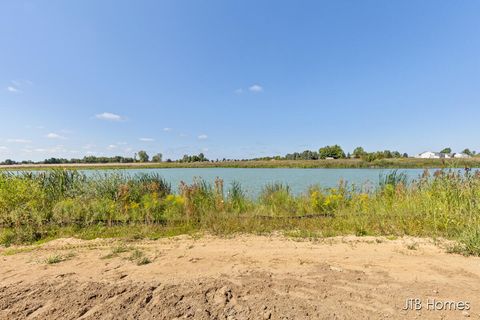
x,y
244,277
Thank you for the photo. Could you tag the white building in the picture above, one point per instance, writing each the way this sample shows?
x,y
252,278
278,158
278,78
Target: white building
x,y
461,155
438,155
429,155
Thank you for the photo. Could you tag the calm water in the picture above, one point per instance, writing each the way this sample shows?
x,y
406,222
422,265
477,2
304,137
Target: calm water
x,y
252,180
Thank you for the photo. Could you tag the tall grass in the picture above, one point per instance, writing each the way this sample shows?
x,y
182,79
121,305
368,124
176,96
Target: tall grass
x,y
59,202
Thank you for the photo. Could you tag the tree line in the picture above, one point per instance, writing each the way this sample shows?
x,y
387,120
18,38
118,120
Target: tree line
x,y
336,152
141,156
326,152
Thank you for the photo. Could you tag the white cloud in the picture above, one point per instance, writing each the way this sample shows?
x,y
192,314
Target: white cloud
x,y
147,139
15,85
3,148
52,135
109,116
19,141
256,88
167,129
111,147
203,137
13,89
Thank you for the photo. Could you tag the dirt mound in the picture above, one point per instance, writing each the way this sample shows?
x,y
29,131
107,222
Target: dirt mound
x,y
239,278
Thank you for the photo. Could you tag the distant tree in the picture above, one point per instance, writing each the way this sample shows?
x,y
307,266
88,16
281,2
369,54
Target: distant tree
x,y
405,155
468,152
195,158
335,152
157,158
9,162
446,150
143,156
359,152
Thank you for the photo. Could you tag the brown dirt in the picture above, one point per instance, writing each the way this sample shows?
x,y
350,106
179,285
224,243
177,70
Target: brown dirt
x,y
245,277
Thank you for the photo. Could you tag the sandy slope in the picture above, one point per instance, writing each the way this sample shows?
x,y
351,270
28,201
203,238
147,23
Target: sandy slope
x,y
246,277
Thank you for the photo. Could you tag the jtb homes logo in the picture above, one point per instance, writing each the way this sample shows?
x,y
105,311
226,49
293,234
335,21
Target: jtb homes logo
x,y
435,305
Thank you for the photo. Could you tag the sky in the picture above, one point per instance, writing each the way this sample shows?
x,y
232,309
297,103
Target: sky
x,y
237,79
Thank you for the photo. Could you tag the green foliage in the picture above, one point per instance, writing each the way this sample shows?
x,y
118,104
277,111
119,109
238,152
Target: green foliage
x,y
468,152
305,155
334,152
142,156
157,158
392,179
237,198
446,150
55,203
359,152
194,158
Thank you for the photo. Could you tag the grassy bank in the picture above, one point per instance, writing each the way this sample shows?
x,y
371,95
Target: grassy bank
x,y
339,163
65,203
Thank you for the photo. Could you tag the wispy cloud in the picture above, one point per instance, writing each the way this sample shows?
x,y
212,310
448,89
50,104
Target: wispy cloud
x,y
108,116
238,91
203,137
19,141
13,89
111,147
147,139
256,88
52,135
3,148
16,85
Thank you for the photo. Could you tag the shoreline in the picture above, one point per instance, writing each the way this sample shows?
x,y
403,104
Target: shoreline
x,y
410,163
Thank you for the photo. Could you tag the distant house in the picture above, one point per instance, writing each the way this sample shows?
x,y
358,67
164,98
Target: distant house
x,y
428,155
461,155
439,155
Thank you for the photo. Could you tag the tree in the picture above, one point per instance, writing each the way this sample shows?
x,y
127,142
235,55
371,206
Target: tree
x,y
157,157
468,152
359,152
143,156
446,150
335,152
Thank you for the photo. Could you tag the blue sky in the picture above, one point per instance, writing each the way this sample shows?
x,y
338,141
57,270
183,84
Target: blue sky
x,y
236,79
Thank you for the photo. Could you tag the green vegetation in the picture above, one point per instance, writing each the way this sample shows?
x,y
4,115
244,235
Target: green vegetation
x,y
402,163
56,258
55,203
157,158
143,156
325,157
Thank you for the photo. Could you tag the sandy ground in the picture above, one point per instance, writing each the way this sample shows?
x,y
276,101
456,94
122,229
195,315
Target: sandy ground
x,y
245,277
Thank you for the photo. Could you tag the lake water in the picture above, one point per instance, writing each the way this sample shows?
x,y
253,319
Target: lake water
x,y
252,180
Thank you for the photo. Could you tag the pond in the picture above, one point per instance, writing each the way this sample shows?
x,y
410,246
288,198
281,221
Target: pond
x,y
253,180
